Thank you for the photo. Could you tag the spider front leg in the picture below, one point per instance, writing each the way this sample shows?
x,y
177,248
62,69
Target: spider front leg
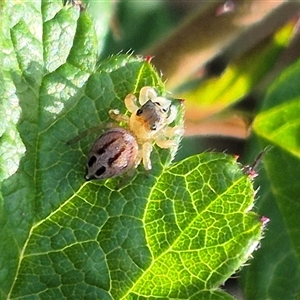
x,y
165,139
173,131
172,115
147,93
130,103
117,116
166,144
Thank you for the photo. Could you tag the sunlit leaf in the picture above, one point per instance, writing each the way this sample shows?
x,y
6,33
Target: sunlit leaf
x,y
178,232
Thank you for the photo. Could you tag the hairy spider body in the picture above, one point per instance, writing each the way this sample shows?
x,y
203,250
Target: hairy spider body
x,y
121,149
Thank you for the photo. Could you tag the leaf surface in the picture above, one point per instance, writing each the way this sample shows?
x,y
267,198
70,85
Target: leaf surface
x,y
184,234
179,232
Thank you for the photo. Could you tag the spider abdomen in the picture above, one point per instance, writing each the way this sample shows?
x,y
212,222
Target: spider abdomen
x,y
112,154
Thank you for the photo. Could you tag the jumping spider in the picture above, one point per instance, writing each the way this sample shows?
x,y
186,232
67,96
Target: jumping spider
x,y
122,149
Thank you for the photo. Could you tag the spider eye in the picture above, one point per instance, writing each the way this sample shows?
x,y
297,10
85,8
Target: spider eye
x,y
157,103
153,127
139,112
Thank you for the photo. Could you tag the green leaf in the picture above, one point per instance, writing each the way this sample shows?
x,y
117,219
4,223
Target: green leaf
x,y
179,232
277,125
274,270
148,240
194,230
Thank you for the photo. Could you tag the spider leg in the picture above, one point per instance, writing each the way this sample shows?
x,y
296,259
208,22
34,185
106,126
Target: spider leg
x,y
90,131
173,114
130,103
171,131
83,134
164,140
146,93
138,158
146,151
116,115
165,144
